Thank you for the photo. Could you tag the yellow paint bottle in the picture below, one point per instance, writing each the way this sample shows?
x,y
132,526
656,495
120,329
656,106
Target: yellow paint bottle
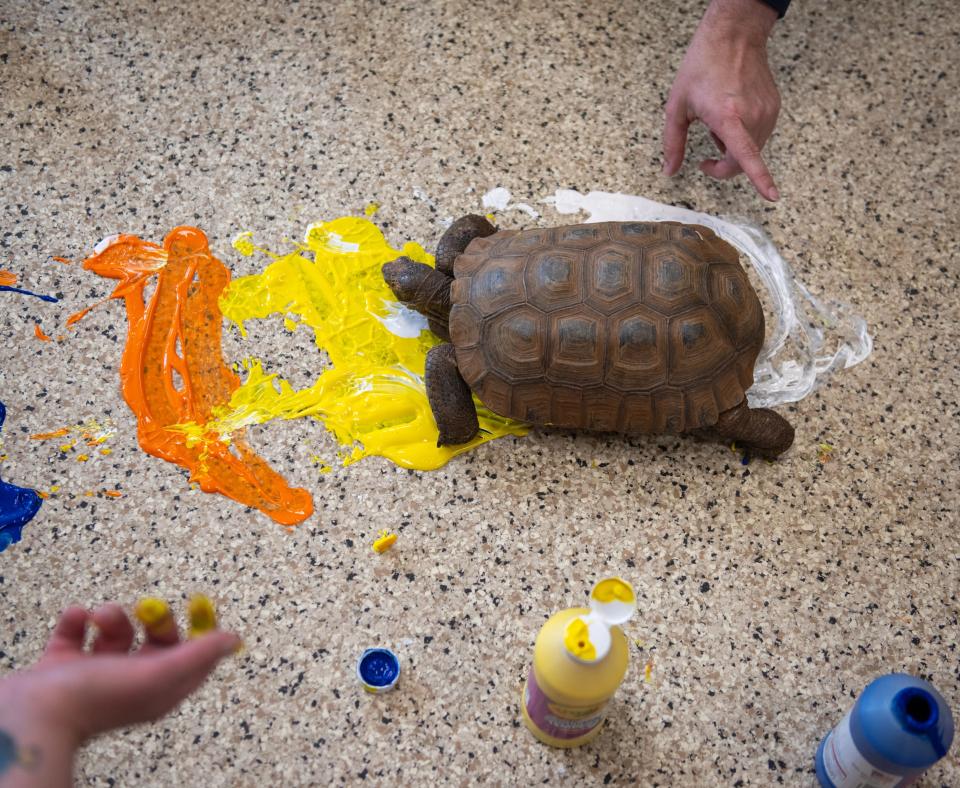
x,y
579,660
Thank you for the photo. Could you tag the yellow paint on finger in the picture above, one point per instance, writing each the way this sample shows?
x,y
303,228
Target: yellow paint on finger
x,y
202,615
371,396
156,618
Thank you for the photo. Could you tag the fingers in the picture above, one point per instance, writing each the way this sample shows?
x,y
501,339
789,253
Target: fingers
x,y
115,630
674,136
70,629
720,168
742,149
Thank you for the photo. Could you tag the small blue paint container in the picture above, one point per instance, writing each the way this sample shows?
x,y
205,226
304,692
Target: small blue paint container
x,y
378,669
899,727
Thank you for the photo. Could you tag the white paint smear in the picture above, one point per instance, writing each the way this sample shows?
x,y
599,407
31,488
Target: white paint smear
x,y
498,199
807,340
110,239
402,321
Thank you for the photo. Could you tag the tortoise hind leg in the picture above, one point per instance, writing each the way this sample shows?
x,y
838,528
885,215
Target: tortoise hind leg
x,y
450,398
457,237
758,428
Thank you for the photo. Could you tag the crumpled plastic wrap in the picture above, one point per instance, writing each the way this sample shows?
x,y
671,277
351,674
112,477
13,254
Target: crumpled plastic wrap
x,y
808,338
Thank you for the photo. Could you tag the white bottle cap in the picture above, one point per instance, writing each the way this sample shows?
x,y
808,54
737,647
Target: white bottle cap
x,y
612,602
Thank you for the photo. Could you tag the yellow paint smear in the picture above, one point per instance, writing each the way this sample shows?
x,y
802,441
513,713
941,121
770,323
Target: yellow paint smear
x,y
371,396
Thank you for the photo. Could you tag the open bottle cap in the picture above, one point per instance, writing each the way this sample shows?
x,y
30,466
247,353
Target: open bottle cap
x,y
612,602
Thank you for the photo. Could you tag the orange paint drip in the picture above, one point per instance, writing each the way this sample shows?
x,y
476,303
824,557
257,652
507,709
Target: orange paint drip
x,y
45,436
173,371
113,493
38,332
63,260
7,278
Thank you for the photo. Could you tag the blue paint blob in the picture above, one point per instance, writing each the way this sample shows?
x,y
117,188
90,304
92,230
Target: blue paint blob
x,y
18,505
20,290
378,669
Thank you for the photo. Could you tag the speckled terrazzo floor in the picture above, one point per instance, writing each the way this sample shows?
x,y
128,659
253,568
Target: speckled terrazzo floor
x,y
770,594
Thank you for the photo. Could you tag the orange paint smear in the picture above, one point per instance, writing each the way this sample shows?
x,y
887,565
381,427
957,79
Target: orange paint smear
x,y
7,278
113,493
172,371
63,260
38,332
45,436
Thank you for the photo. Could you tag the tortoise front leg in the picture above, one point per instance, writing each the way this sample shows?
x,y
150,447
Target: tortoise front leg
x,y
450,398
758,428
458,237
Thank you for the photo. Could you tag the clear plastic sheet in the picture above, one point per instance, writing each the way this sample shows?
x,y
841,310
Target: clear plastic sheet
x,y
808,339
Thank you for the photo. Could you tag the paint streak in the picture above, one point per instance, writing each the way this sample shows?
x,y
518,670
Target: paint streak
x,y
45,436
172,370
18,505
7,281
371,396
38,332
113,493
63,260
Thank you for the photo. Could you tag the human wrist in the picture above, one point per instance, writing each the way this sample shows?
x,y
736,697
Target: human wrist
x,y
747,22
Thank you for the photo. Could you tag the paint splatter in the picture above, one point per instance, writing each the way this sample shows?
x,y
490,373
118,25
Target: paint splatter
x,y
18,505
824,452
385,540
38,332
92,432
372,396
7,281
172,370
648,672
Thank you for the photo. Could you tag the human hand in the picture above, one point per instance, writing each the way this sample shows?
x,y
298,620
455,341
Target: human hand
x,y
71,694
725,82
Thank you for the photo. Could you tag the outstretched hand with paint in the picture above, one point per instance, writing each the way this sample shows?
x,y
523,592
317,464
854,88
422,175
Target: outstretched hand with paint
x,y
725,82
49,710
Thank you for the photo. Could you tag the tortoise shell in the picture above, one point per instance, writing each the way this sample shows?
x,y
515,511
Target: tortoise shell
x,y
646,327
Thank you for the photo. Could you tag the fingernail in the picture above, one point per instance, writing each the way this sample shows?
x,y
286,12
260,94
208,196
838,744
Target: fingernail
x,y
774,194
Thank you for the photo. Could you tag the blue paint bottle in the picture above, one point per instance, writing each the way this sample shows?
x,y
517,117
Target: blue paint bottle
x,y
898,728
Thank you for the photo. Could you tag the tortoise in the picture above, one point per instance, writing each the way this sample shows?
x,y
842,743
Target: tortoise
x,y
629,327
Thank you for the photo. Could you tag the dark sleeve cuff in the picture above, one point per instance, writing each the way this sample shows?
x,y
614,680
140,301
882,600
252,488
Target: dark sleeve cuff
x,y
780,6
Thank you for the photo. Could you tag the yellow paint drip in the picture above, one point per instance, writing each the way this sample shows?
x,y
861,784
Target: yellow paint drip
x,y
576,639
371,396
371,208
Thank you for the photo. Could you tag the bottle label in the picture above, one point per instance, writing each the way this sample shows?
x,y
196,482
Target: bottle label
x,y
560,722
846,767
